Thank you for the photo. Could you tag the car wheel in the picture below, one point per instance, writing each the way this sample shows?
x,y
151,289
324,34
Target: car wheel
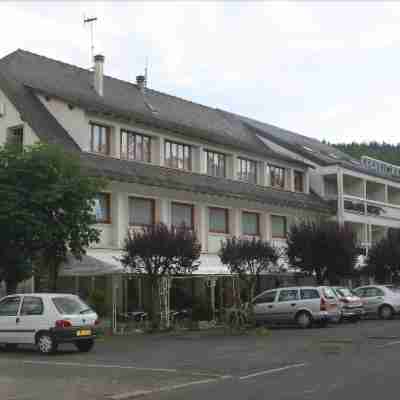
x,y
84,346
46,344
386,312
304,320
10,347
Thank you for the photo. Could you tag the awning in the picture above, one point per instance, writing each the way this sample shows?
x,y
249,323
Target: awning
x,y
106,262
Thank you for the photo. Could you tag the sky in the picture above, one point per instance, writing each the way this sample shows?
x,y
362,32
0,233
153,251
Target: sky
x,y
328,70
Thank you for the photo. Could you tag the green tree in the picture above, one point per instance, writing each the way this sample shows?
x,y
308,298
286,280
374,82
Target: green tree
x,y
248,258
159,251
325,249
383,261
46,207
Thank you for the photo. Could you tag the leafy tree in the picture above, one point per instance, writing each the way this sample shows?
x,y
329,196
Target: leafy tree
x,y
383,261
159,251
46,203
248,258
325,249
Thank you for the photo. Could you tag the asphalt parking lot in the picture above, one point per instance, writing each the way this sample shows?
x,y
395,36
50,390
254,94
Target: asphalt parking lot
x,y
288,362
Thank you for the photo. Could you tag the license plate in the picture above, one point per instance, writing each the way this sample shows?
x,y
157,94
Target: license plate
x,y
86,332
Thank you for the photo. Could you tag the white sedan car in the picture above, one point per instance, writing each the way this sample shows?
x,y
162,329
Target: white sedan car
x,y
46,320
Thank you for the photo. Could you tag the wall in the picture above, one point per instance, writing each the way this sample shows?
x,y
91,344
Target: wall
x,y
13,119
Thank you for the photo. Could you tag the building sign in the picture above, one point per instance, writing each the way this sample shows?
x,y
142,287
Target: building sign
x,y
380,166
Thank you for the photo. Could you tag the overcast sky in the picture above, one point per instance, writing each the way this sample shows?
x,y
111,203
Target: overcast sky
x,y
326,70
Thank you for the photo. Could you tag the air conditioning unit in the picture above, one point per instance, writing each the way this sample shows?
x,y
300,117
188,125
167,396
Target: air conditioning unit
x,y
2,109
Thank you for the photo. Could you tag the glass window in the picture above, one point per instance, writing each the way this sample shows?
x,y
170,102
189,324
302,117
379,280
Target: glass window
x,y
182,214
9,306
250,223
268,297
307,294
141,211
216,164
372,292
100,139
276,176
328,293
219,220
279,228
288,295
32,306
298,181
247,170
135,146
16,137
71,306
178,155
102,208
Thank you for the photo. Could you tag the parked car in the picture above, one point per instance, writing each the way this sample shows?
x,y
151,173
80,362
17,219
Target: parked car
x,y
350,305
46,320
301,305
379,299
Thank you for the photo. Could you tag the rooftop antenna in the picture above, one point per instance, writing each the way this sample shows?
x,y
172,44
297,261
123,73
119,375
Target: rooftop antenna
x,y
146,71
90,21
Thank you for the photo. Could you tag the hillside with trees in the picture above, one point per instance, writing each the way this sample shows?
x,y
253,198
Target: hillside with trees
x,y
382,151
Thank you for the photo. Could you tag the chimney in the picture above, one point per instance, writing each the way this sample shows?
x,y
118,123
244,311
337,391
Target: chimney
x,y
141,82
98,74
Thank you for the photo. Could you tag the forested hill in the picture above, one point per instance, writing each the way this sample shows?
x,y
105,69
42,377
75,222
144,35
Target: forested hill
x,y
382,151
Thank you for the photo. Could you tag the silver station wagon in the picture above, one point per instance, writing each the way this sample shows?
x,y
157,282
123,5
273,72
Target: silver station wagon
x,y
303,306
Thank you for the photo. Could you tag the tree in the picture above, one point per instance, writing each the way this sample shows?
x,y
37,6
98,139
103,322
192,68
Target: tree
x,y
383,261
159,251
325,249
248,258
46,207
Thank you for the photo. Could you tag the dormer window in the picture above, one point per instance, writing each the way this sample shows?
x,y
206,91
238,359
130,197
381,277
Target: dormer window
x,y
100,139
135,146
247,170
276,176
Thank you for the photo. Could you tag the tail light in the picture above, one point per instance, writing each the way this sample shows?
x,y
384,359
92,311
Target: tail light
x,y
323,304
97,322
344,300
63,323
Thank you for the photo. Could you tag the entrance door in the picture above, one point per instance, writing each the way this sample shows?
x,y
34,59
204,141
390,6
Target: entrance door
x,y
9,308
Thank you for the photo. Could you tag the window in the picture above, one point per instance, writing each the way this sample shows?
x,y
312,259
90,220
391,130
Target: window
x,y
308,294
182,214
276,176
372,292
141,211
268,297
9,307
288,295
250,223
135,146
16,137
71,306
247,170
298,181
100,139
219,220
279,228
216,164
102,208
178,155
32,306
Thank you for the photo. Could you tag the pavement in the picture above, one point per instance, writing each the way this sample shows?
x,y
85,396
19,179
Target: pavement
x,y
352,360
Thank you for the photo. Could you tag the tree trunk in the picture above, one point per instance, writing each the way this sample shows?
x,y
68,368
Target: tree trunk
x,y
318,274
155,303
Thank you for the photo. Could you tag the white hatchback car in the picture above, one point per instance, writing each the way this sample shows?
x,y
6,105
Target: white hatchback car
x,y
46,320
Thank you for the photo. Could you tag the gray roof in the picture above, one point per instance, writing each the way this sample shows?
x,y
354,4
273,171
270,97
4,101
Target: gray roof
x,y
22,73
147,174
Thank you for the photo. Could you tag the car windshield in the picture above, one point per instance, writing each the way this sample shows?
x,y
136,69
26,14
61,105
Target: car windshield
x,y
345,292
328,293
71,305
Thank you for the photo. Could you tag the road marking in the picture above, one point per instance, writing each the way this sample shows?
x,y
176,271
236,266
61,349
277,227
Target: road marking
x,y
390,344
272,371
139,393
116,366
